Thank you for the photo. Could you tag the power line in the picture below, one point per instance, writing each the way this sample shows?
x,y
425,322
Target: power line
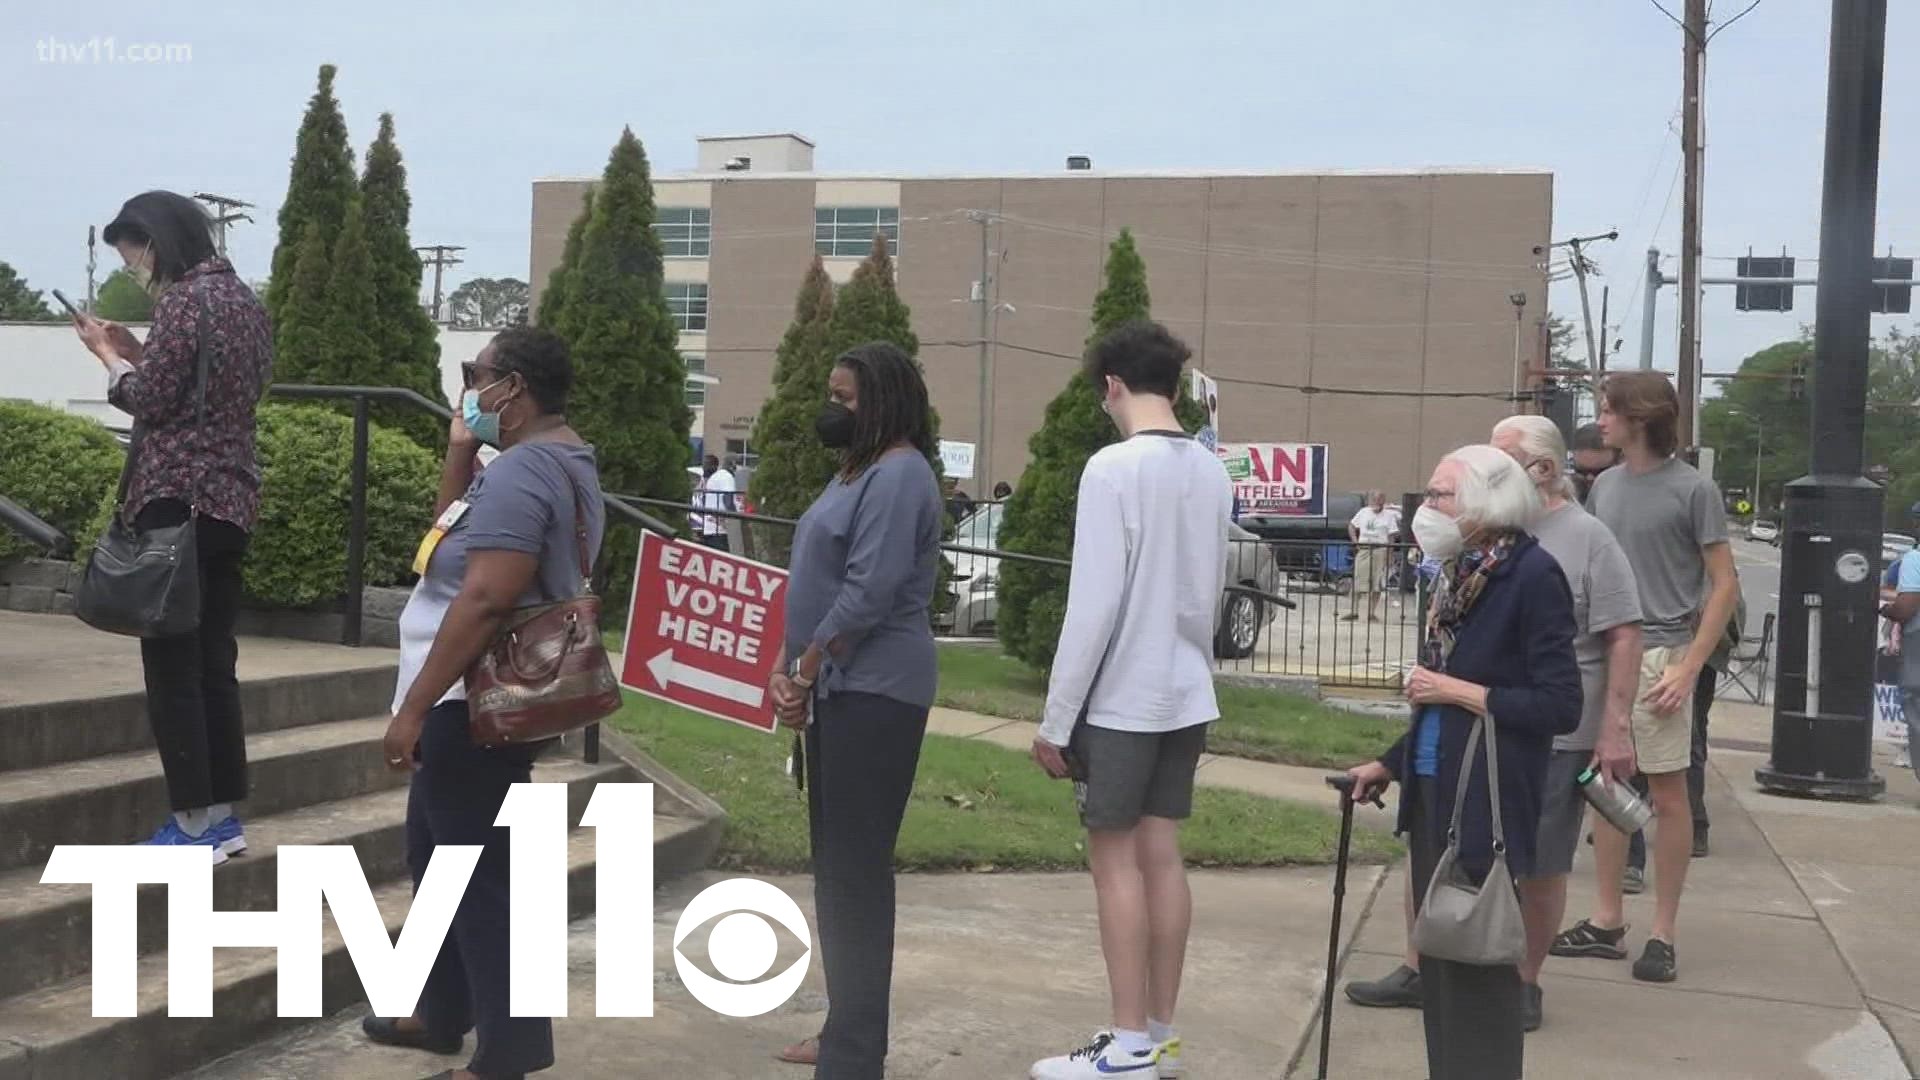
x,y
1735,19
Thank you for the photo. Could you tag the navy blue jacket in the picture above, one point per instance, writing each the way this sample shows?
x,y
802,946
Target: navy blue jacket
x,y
1518,642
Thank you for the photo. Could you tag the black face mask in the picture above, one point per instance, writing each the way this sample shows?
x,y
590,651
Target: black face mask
x,y
834,426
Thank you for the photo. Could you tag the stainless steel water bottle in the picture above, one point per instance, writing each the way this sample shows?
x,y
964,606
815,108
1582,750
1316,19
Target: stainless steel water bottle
x,y
1623,807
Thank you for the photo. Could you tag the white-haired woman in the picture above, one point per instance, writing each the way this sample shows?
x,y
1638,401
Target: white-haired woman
x,y
1499,643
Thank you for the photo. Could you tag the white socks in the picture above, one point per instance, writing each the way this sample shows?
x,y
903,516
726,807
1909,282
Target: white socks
x,y
197,822
1132,1042
1158,1031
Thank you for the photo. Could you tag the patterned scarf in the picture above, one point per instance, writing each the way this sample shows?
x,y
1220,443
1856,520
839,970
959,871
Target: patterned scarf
x,y
1458,588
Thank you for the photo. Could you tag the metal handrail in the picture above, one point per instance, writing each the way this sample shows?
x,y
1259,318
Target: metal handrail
x,y
34,529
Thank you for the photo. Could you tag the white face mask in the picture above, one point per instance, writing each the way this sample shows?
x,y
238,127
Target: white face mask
x,y
142,273
1437,534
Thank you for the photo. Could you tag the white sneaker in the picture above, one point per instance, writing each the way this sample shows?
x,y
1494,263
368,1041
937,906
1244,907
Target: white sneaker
x,y
1099,1059
1169,1057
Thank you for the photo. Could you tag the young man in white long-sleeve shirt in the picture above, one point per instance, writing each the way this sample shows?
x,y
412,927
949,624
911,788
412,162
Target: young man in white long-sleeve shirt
x,y
1131,693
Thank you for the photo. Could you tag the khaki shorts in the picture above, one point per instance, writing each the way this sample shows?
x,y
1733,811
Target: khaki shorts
x,y
1368,562
1662,744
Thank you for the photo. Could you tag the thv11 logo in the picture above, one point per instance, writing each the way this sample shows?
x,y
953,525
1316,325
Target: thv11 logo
x,y
741,945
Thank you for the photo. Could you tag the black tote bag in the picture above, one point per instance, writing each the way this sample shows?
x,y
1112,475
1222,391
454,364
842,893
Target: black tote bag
x,y
146,582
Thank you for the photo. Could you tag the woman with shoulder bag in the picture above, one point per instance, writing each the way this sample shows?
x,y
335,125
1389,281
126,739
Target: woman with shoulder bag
x,y
516,534
1497,680
192,460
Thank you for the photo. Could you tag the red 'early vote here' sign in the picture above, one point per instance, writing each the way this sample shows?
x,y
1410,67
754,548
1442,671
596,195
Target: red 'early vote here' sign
x,y
705,630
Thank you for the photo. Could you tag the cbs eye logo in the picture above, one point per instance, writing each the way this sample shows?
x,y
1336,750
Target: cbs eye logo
x,y
742,947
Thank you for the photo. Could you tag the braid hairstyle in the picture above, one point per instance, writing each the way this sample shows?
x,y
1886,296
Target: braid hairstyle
x,y
893,406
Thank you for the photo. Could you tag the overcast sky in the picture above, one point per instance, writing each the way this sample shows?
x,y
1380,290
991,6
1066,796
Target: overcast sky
x,y
488,96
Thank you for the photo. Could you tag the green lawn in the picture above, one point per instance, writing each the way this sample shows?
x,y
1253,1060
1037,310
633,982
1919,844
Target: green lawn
x,y
976,806
1265,725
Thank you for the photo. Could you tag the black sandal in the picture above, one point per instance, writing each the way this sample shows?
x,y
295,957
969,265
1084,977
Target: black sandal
x,y
1583,939
388,1032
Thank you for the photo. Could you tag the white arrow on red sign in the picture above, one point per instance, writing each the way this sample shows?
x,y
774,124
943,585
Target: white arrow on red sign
x,y
667,671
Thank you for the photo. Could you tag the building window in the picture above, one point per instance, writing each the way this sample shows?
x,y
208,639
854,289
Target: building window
x,y
848,230
686,232
696,390
688,302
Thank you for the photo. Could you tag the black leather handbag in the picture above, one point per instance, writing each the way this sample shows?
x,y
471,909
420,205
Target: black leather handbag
x,y
146,582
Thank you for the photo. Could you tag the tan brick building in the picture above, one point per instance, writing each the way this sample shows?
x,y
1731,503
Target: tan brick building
x,y
1396,283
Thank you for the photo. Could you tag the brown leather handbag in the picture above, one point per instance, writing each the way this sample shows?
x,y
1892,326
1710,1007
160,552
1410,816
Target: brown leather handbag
x,y
547,672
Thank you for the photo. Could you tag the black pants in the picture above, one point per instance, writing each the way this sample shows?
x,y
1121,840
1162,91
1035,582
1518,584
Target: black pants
x,y
718,541
1703,692
862,751
454,799
1472,1013
193,695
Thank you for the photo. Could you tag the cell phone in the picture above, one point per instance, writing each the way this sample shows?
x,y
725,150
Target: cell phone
x,y
66,303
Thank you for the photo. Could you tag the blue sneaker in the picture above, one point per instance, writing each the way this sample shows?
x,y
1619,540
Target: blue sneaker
x,y
172,835
227,832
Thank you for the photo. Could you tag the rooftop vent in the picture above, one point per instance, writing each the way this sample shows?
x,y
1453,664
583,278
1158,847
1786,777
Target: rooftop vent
x,y
739,164
1079,163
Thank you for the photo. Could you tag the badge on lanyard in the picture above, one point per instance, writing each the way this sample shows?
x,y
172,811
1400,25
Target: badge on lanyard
x,y
455,511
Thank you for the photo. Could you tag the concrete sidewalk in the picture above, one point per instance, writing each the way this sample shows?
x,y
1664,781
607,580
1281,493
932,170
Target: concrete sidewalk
x,y
1797,957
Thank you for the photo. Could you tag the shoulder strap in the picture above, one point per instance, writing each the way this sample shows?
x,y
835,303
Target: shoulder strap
x,y
139,434
1493,785
584,557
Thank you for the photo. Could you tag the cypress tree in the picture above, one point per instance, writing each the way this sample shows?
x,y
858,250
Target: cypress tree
x,y
553,301
320,187
350,304
406,345
303,324
792,462
629,396
1040,516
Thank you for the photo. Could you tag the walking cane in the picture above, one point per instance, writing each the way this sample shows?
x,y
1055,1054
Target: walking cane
x,y
1344,785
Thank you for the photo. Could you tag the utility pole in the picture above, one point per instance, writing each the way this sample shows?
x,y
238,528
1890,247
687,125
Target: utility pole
x,y
1519,302
1578,259
226,211
441,258
1651,292
1830,596
983,299
91,265
1695,51
1601,371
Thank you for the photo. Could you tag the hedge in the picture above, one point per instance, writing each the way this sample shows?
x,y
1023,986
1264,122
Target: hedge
x,y
299,550
55,464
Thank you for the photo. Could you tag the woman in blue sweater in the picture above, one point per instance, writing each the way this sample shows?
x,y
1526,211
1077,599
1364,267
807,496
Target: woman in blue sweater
x,y
1498,644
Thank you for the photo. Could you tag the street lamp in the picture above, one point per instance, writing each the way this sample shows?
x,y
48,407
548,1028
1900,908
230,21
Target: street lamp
x,y
1519,302
1759,446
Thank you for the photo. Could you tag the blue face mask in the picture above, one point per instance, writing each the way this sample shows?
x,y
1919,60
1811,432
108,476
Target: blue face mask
x,y
484,425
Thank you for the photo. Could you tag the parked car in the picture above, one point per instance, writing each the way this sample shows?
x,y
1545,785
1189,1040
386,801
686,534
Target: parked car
x,y
1892,546
1764,532
976,596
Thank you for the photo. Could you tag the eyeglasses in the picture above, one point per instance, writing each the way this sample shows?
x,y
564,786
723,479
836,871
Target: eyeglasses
x,y
470,374
1437,495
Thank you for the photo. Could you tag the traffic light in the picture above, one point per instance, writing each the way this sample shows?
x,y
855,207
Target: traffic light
x,y
1892,299
1764,297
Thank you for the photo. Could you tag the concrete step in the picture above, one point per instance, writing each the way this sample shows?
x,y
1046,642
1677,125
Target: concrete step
x,y
122,798
48,928
35,734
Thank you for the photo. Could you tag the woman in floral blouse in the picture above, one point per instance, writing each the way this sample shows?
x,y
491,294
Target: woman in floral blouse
x,y
193,697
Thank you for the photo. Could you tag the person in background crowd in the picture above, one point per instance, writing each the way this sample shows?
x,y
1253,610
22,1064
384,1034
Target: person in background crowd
x,y
1372,531
1499,643
959,503
857,673
1591,456
183,465
1670,521
717,491
1002,491
1703,692
505,537
1131,690
1607,645
1904,611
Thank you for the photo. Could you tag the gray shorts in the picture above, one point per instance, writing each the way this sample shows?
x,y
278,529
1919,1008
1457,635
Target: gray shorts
x,y
1120,777
1562,813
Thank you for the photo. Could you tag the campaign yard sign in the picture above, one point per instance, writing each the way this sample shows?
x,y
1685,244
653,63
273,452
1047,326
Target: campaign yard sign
x,y
1278,479
704,631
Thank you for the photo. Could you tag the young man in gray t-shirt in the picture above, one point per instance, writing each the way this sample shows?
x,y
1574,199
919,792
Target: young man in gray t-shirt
x,y
1669,520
